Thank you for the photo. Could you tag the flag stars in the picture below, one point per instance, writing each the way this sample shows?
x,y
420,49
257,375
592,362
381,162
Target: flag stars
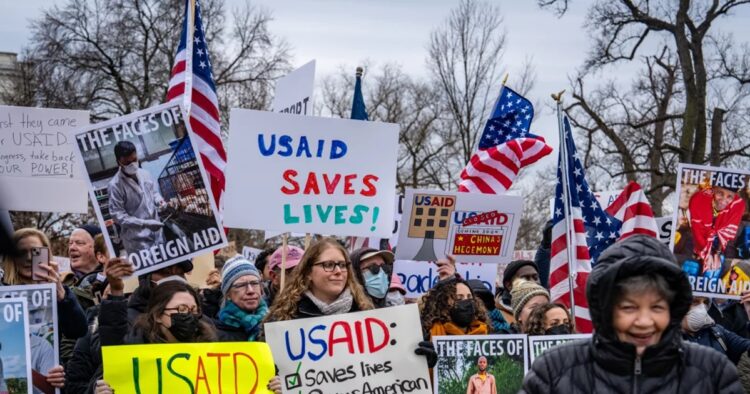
x,y
597,221
558,212
202,64
577,171
599,236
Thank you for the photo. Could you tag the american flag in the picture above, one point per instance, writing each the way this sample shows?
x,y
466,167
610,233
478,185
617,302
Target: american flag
x,y
505,146
192,81
594,228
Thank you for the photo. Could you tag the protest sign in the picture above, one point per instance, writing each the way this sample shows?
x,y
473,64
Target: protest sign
x,y
711,233
538,344
15,350
294,91
250,253
162,211
664,224
475,228
462,357
363,352
418,277
39,170
310,174
237,367
41,301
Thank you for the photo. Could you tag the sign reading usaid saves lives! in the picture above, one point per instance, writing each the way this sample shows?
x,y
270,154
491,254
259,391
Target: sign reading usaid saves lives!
x,y
308,174
711,236
475,228
359,353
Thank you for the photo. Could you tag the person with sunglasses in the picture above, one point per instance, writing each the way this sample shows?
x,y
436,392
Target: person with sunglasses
x,y
243,308
374,270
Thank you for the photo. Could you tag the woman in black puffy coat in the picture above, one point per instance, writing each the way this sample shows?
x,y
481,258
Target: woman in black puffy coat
x,y
637,298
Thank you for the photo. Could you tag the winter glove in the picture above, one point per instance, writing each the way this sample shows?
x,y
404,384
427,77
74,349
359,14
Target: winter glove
x,y
427,349
547,235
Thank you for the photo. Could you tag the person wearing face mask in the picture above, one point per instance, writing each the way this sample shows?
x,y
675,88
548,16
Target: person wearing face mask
x,y
450,308
550,319
374,270
698,327
134,200
243,308
497,320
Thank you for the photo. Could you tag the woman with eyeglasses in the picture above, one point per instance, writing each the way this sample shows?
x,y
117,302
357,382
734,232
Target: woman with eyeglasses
x,y
243,307
450,308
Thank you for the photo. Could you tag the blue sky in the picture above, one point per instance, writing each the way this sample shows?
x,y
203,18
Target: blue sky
x,y
12,352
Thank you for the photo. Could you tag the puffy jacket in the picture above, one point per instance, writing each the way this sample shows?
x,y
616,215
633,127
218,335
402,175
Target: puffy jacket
x,y
720,339
604,364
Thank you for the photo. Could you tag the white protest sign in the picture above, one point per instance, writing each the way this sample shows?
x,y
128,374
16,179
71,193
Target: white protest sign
x,y
664,224
15,364
163,212
419,277
63,263
250,253
310,174
364,352
475,228
294,91
39,170
41,300
538,344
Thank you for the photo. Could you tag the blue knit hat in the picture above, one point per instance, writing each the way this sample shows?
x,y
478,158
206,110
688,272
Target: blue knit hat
x,y
235,268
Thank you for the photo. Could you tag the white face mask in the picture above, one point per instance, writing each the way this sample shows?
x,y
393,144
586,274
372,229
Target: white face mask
x,y
130,169
698,317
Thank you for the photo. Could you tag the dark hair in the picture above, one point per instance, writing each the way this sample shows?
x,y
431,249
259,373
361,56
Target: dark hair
x,y
123,148
437,303
539,315
148,322
262,259
640,284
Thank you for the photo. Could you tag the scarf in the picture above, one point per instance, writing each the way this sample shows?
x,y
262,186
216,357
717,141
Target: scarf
x,y
499,325
475,328
711,233
233,316
342,304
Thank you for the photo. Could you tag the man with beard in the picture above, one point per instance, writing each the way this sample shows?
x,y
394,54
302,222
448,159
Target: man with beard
x,y
482,382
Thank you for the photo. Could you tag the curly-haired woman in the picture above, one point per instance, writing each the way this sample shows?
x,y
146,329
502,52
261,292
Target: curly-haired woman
x,y
550,319
450,308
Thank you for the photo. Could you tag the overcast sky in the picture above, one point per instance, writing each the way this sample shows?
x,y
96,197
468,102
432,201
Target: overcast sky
x,y
346,32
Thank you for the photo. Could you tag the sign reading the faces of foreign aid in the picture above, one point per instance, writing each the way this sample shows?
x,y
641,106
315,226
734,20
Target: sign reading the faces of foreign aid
x,y
149,188
15,348
362,352
308,174
711,229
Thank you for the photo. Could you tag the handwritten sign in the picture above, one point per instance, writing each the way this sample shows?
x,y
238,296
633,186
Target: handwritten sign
x,y
39,170
250,253
710,237
364,352
315,175
438,223
418,278
539,344
15,365
237,367
294,91
501,358
664,224
162,211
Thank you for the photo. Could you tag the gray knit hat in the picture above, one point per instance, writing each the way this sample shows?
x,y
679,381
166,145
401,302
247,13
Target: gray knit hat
x,y
235,268
523,291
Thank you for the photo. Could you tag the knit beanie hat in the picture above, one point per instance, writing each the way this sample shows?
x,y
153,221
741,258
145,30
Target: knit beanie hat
x,y
514,266
523,291
235,268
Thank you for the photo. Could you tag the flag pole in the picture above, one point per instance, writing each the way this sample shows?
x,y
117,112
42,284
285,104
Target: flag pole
x,y
569,229
189,34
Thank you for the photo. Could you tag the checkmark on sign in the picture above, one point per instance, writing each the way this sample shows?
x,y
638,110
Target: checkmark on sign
x,y
293,380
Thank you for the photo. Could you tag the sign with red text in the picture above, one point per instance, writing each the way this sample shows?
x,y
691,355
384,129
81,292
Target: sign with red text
x,y
475,228
230,367
363,352
310,174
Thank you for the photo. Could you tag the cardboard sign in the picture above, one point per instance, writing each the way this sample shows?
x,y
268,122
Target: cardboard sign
x,y
363,352
460,360
236,367
538,344
310,174
39,170
294,91
250,253
438,223
710,238
418,278
664,224
163,212
41,300
15,363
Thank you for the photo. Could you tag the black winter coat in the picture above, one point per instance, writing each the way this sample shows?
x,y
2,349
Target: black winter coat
x,y
722,340
603,364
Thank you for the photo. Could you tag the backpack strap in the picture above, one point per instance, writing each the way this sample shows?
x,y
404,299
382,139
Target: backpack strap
x,y
720,338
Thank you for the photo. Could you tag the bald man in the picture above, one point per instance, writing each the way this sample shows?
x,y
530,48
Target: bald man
x,y
481,382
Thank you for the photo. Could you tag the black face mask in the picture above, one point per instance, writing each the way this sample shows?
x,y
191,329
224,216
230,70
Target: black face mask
x,y
184,327
560,329
462,313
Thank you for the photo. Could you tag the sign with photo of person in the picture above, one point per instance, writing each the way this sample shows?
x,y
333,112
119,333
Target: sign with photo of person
x,y
477,363
149,188
711,229
15,350
41,301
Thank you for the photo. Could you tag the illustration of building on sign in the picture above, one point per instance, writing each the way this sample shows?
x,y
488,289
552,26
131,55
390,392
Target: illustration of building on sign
x,y
430,220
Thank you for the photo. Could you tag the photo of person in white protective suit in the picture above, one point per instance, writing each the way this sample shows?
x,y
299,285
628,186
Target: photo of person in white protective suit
x,y
134,201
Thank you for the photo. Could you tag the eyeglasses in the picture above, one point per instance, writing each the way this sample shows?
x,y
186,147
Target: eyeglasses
x,y
185,309
244,285
330,266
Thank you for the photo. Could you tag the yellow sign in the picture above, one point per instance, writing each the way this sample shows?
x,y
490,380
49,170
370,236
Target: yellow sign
x,y
219,367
